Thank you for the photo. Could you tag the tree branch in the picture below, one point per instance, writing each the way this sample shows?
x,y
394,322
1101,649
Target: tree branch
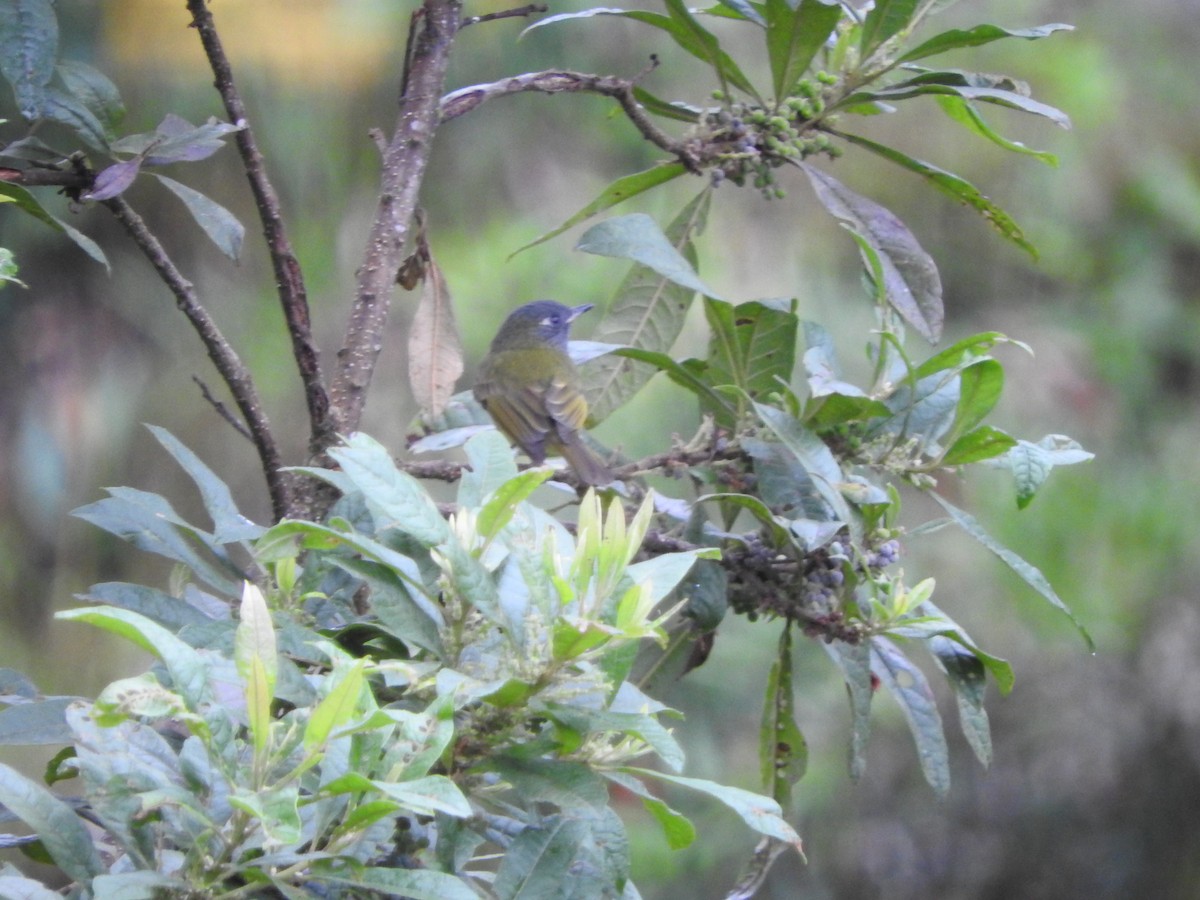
x,y
466,99
222,354
528,10
404,162
288,277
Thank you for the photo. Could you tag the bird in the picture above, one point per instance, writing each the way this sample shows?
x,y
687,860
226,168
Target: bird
x,y
531,388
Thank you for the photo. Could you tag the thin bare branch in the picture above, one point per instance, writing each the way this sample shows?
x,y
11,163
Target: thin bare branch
x,y
222,410
404,162
288,277
529,10
466,99
222,354
759,866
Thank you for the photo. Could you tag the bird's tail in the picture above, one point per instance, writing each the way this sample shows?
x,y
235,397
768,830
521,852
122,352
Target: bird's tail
x,y
584,462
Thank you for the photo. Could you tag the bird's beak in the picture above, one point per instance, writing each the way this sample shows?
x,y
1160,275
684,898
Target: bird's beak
x,y
577,311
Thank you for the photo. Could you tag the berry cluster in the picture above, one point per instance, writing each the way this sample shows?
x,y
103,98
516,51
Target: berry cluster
x,y
810,588
751,141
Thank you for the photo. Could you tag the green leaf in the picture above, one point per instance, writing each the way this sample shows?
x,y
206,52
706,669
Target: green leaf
x,y
568,785
751,346
491,462
959,352
95,91
39,722
795,32
1028,573
1031,463
683,376
780,535
911,278
622,189
669,109
959,84
967,676
908,685
974,37
256,658
419,884
28,51
954,186
27,202
637,237
965,113
221,226
854,662
499,508
696,40
662,573
545,861
980,386
188,669
396,499
983,443
229,525
647,312
401,609
59,106
149,523
738,9
782,749
813,455
762,814
337,708
62,833
677,828
886,19
171,612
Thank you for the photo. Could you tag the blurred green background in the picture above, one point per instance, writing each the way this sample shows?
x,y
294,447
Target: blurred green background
x,y
1095,788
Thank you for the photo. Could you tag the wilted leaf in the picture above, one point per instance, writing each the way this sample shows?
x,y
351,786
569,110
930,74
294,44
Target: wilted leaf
x,y
911,278
435,356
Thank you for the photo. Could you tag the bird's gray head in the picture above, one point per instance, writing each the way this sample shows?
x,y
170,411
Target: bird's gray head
x,y
539,323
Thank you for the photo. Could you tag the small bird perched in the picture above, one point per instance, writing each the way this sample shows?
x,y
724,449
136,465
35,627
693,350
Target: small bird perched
x,y
530,387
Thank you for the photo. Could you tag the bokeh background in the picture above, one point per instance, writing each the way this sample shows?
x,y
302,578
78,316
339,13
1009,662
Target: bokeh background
x,y
1095,787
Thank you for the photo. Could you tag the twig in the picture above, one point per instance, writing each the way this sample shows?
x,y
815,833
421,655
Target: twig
x,y
505,14
288,277
222,354
464,100
765,854
404,162
222,409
